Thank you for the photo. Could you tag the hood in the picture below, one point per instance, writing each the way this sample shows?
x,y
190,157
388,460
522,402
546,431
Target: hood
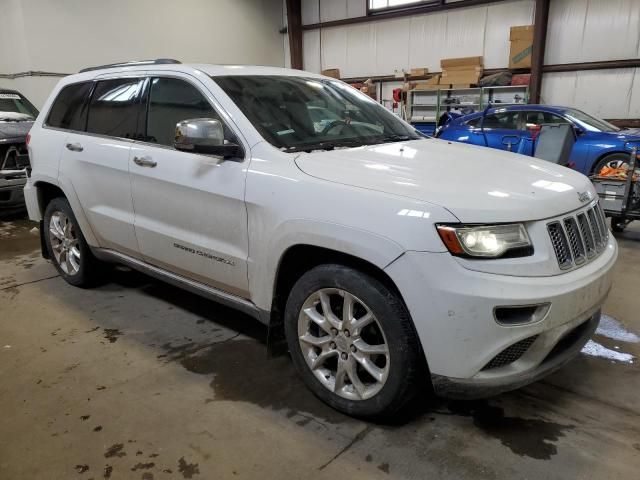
x,y
476,184
14,130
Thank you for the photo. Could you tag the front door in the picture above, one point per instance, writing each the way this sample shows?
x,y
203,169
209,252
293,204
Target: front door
x,y
499,130
190,216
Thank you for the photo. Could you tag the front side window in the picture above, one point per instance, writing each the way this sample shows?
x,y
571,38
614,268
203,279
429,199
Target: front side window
x,y
170,101
114,107
69,109
296,113
15,108
497,121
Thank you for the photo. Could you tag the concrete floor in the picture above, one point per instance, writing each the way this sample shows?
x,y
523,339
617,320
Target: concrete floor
x,y
137,379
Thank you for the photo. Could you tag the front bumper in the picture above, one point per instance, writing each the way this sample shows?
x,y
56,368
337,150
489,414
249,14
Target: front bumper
x,y
453,312
11,192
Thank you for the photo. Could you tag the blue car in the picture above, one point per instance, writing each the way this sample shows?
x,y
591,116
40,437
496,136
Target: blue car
x,y
515,127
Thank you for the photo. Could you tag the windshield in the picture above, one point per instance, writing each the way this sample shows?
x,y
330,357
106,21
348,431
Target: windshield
x,y
15,108
295,113
590,123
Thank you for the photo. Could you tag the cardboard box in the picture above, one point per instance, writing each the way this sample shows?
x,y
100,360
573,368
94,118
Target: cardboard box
x,y
521,39
418,72
433,80
460,77
331,72
446,63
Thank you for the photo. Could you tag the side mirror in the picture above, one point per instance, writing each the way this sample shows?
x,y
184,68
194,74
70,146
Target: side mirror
x,y
579,130
206,136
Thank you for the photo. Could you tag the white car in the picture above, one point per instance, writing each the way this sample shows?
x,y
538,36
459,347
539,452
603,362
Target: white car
x,y
384,258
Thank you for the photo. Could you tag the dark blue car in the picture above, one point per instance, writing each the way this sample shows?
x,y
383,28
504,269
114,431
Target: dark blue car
x,y
513,127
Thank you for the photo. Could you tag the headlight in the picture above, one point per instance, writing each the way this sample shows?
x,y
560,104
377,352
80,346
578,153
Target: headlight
x,y
486,240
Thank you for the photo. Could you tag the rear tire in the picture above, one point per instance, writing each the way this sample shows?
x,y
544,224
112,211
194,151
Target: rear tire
x,y
67,247
365,363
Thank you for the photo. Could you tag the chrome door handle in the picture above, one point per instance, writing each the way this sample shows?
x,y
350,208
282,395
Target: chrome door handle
x,y
145,161
74,147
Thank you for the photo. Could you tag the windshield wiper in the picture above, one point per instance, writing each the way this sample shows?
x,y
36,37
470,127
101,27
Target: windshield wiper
x,y
395,138
328,145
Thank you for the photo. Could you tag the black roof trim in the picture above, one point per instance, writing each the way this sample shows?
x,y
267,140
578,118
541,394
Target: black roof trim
x,y
157,61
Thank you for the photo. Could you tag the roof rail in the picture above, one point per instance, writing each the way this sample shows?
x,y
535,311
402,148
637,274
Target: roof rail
x,y
157,61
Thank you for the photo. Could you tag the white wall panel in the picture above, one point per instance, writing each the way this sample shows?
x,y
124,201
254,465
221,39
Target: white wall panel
x,y
311,50
392,42
427,40
603,93
465,32
334,48
66,35
314,11
310,11
361,50
500,18
592,30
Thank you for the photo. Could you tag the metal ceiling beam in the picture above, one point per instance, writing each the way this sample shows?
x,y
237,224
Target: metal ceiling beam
x,y
401,12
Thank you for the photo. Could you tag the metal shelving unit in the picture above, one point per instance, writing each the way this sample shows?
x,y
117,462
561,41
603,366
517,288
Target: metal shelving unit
x,y
428,105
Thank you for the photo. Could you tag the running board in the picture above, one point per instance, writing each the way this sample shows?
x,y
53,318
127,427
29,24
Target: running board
x,y
198,288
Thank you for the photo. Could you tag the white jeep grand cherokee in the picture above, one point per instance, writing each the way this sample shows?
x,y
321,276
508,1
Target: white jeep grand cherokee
x,y
384,257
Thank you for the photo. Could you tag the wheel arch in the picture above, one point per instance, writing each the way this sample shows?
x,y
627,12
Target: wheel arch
x,y
300,258
603,156
47,190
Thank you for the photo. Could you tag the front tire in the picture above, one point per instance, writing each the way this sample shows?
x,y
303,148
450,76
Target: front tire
x,y
614,157
618,224
67,247
352,341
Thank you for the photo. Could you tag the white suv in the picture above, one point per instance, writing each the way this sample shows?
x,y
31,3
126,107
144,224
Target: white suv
x,y
383,257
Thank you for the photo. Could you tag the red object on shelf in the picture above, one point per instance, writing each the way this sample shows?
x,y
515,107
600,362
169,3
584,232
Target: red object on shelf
x,y
521,79
397,94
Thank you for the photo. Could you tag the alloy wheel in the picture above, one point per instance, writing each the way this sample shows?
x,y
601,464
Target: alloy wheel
x,y
64,243
343,344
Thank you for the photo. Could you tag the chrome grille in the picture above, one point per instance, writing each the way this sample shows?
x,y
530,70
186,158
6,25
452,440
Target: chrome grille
x,y
587,235
578,238
575,240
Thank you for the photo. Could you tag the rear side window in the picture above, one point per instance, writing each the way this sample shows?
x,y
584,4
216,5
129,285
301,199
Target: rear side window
x,y
170,101
502,120
69,109
114,107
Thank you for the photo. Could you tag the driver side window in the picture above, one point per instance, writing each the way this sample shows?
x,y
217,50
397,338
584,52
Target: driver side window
x,y
172,100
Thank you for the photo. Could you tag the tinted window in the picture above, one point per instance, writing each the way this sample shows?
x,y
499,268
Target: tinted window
x,y
114,107
502,120
542,118
171,101
69,109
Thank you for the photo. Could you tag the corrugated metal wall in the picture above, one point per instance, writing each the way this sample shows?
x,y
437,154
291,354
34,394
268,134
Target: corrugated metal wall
x,y
589,31
578,31
379,48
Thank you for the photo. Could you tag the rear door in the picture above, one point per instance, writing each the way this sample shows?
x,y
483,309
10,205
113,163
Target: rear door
x,y
95,161
190,213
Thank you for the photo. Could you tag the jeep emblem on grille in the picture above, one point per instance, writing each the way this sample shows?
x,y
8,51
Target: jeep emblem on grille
x,y
584,196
